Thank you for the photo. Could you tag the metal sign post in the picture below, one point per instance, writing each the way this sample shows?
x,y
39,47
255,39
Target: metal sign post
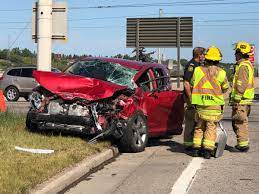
x,y
44,34
137,41
49,22
178,51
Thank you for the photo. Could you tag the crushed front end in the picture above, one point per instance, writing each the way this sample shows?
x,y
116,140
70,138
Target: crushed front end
x,y
104,116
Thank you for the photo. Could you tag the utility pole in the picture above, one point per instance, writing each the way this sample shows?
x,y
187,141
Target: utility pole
x,y
44,34
159,49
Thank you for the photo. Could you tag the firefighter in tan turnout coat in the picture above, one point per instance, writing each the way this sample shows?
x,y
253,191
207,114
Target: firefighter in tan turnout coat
x,y
209,83
242,95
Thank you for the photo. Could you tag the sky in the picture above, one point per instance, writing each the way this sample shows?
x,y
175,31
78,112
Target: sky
x,y
102,31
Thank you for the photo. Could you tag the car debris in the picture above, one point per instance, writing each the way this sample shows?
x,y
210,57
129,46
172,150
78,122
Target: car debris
x,y
34,151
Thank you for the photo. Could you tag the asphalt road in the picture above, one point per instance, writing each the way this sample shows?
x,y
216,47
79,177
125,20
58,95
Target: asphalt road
x,y
162,164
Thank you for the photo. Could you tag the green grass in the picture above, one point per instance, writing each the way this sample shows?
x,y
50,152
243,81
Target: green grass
x,y
20,171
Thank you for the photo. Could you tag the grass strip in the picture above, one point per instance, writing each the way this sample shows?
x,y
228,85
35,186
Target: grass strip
x,y
21,171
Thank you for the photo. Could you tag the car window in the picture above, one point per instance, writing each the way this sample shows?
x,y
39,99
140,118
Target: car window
x,y
27,72
106,71
14,72
160,77
145,82
55,70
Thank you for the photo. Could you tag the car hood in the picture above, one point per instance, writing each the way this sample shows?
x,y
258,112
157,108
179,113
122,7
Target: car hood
x,y
72,86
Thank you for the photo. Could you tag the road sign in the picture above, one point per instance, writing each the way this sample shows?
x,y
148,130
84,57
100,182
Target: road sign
x,y
59,21
159,32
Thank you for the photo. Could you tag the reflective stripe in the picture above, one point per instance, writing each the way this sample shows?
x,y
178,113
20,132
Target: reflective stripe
x,y
188,143
239,82
237,97
243,143
209,143
197,142
216,90
205,91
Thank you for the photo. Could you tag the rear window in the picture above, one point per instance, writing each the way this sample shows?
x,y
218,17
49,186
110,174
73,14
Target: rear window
x,y
14,72
27,72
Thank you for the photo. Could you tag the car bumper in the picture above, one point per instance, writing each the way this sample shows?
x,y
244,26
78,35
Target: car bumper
x,y
63,122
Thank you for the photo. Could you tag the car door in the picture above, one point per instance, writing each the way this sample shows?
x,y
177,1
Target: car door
x,y
170,103
151,104
27,82
13,78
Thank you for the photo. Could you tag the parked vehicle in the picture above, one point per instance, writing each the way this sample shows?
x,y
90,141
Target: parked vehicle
x,y
18,82
129,101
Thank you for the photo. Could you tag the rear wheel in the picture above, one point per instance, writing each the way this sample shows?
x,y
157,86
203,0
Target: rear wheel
x,y
12,93
135,137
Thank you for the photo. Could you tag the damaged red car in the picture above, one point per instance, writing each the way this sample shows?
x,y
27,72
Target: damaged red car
x,y
128,101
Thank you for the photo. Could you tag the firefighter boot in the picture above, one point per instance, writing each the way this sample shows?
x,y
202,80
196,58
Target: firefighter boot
x,y
242,149
195,152
206,154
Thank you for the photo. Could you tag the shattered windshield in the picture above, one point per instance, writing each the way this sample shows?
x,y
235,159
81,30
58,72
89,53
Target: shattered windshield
x,y
112,72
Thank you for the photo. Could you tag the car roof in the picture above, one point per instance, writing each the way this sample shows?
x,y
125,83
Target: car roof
x,y
20,67
25,67
137,65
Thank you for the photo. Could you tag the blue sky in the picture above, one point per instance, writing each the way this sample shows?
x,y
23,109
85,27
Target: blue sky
x,y
241,22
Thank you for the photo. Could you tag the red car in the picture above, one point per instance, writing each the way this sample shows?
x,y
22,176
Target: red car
x,y
129,101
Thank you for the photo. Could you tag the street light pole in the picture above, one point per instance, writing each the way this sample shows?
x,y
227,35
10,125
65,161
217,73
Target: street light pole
x,y
44,34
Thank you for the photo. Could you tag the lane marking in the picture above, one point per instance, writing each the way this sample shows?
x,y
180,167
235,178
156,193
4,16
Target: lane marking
x,y
183,183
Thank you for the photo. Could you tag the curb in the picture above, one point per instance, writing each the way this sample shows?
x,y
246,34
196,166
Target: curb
x,y
66,178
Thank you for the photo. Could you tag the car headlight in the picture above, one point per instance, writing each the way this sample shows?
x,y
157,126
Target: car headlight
x,y
36,100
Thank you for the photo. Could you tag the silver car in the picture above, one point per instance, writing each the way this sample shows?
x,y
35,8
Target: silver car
x,y
18,82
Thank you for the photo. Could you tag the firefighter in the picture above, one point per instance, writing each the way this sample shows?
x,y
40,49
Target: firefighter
x,y
196,61
242,95
209,84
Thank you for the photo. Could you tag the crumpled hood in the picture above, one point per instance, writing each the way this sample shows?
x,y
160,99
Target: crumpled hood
x,y
72,86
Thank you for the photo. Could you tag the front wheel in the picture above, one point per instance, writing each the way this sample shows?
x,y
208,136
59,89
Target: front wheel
x,y
135,137
29,121
12,93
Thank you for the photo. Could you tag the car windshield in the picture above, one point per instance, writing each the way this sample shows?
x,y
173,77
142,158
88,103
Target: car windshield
x,y
112,72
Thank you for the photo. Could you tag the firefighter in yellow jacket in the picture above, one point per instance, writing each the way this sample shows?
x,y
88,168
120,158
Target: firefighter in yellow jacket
x,y
242,95
209,84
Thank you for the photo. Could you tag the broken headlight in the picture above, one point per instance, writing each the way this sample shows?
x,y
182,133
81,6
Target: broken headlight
x,y
36,100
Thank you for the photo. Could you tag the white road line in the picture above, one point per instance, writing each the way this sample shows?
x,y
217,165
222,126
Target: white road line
x,y
184,181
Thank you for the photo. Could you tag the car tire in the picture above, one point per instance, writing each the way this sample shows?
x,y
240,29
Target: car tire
x,y
29,124
135,137
12,93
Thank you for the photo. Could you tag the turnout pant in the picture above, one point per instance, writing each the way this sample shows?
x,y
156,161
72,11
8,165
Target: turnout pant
x,y
240,123
205,134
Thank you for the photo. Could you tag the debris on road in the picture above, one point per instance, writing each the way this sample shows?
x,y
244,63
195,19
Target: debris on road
x,y
35,151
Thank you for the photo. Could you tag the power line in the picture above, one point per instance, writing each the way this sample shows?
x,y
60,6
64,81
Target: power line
x,y
115,17
218,20
182,3
166,4
213,13
22,30
109,27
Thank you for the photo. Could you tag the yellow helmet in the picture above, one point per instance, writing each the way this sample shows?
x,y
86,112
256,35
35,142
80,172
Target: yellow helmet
x,y
213,54
243,47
